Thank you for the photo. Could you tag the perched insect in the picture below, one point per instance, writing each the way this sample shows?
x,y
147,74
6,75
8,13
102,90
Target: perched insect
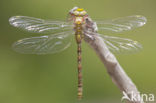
x,y
78,23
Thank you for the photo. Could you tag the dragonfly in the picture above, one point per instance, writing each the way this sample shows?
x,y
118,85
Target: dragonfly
x,y
58,34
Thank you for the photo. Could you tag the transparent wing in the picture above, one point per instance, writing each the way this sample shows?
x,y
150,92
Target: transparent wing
x,y
39,25
121,24
44,44
121,45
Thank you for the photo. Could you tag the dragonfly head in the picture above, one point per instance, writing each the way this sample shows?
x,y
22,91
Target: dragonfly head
x,y
77,12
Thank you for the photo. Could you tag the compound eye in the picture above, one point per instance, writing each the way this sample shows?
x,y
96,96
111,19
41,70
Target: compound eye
x,y
83,13
76,13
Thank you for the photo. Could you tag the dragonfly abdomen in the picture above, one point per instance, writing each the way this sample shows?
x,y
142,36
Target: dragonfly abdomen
x,y
78,36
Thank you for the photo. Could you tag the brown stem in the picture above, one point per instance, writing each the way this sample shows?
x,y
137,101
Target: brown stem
x,y
116,72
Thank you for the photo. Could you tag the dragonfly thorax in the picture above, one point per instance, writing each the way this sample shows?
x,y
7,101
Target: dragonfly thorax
x,y
79,20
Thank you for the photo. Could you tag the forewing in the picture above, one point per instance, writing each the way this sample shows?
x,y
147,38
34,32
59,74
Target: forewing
x,y
39,25
121,24
121,45
44,44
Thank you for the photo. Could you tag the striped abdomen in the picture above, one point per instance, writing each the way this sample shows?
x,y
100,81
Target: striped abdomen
x,y
78,36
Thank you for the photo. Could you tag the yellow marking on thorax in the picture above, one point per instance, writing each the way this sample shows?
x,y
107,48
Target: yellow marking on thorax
x,y
78,20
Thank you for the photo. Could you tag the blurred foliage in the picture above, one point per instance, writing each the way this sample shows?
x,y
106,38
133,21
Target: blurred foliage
x,y
53,78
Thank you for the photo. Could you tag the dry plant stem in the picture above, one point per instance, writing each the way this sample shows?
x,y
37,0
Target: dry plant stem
x,y
116,72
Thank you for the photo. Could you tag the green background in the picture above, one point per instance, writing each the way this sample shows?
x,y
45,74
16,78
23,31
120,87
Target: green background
x,y
52,78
